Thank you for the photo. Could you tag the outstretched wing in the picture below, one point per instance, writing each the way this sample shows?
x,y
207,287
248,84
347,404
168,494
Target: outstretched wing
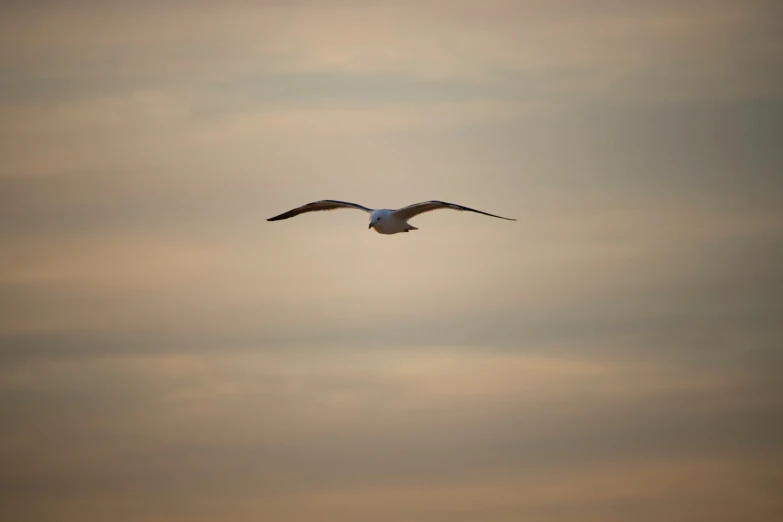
x,y
419,208
315,206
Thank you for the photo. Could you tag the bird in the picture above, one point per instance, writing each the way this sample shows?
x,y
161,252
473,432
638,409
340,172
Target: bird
x,y
383,220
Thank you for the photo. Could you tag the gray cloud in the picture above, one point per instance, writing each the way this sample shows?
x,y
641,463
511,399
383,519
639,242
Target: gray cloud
x,y
317,427
167,354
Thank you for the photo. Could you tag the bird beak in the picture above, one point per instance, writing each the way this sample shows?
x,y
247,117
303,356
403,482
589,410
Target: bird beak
x,y
368,228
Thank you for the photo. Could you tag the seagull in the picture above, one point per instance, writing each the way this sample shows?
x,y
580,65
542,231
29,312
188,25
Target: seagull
x,y
383,220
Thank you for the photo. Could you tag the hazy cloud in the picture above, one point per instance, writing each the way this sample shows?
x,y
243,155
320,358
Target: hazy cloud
x,y
167,354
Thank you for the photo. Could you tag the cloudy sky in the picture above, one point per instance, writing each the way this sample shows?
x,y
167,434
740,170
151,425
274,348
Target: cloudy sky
x,y
166,354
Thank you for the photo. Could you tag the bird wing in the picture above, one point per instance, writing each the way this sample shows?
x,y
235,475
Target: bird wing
x,y
315,206
427,206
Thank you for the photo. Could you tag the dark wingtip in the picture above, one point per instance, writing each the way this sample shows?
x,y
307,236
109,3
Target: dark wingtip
x,y
284,215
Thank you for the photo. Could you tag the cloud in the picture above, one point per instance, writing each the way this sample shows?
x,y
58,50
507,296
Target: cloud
x,y
167,354
351,433
611,51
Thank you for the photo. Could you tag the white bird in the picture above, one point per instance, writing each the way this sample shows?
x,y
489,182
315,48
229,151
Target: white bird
x,y
383,220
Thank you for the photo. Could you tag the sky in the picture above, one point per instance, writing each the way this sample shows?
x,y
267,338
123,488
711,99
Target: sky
x,y
167,355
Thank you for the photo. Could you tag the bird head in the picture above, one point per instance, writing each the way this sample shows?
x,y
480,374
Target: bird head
x,y
376,217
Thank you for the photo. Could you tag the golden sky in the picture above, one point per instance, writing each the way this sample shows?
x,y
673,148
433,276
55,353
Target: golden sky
x,y
166,354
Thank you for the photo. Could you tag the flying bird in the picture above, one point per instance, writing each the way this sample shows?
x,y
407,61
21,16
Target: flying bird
x,y
383,220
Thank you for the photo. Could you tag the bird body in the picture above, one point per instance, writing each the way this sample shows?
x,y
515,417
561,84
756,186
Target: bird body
x,y
384,221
